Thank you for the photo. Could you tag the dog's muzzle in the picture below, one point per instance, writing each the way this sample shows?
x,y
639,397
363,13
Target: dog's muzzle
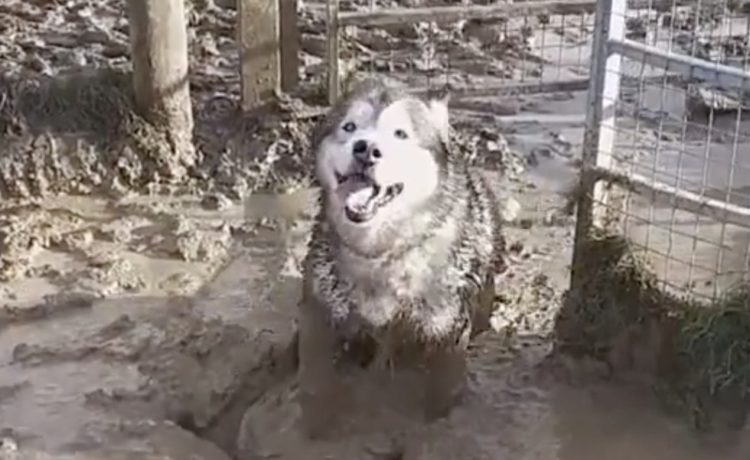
x,y
363,197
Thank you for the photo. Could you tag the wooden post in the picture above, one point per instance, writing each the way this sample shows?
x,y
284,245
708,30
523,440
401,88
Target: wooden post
x,y
159,50
290,44
269,49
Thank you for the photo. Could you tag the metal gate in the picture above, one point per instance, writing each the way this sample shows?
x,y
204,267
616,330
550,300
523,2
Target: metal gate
x,y
666,158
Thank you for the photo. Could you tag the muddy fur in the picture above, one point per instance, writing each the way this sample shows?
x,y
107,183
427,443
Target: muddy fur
x,y
413,290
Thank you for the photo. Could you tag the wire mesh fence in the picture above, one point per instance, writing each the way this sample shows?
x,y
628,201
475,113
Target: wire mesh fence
x,y
475,50
669,133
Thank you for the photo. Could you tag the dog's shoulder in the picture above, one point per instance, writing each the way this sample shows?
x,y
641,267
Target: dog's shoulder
x,y
488,216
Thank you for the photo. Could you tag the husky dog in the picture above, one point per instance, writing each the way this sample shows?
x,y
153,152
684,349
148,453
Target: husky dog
x,y
403,253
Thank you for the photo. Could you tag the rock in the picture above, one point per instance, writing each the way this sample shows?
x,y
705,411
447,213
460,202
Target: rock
x,y
511,210
532,158
708,98
637,28
8,449
208,46
314,45
107,275
526,224
215,202
180,283
77,241
377,40
516,247
40,65
201,246
13,269
486,35
229,4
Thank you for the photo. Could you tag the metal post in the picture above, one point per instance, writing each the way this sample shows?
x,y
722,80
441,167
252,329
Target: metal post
x,y
599,138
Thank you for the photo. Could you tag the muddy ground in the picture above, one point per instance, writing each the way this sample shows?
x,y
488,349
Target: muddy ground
x,y
142,317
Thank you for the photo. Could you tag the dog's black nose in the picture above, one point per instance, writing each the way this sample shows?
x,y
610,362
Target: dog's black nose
x,y
364,153
359,147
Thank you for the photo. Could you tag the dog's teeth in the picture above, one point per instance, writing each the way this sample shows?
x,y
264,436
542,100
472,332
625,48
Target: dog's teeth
x,y
375,190
394,189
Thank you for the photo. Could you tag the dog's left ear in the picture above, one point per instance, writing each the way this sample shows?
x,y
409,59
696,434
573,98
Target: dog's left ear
x,y
438,108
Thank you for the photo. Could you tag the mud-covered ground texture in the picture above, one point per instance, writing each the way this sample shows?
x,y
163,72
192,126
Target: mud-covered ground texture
x,y
147,300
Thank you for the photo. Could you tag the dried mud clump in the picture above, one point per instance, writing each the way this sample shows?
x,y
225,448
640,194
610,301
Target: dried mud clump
x,y
696,355
24,232
264,150
76,133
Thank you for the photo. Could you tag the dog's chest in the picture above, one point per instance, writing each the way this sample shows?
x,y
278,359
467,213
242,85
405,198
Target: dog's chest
x,y
405,277
381,288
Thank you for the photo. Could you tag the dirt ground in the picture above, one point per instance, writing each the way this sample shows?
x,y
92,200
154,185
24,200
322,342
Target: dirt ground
x,y
142,318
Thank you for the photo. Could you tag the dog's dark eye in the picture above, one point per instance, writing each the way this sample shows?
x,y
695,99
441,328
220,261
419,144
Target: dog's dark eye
x,y
401,134
349,127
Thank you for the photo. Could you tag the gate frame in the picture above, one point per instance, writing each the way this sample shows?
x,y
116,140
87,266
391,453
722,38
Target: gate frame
x,y
610,46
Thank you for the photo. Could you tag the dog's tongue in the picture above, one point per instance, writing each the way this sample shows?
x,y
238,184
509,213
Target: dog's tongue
x,y
361,204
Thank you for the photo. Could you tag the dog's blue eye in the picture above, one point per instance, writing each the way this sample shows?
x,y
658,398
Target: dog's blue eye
x,y
401,134
349,127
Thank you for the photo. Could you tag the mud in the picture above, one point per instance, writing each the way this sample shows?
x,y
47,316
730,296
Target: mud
x,y
147,308
146,373
123,363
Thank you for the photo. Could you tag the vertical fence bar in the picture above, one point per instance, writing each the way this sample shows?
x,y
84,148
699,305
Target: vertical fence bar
x,y
599,137
332,38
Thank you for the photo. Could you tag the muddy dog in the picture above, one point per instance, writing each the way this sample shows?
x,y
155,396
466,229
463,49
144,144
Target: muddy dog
x,y
400,267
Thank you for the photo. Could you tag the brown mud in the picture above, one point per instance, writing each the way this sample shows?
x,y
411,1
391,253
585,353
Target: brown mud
x,y
147,307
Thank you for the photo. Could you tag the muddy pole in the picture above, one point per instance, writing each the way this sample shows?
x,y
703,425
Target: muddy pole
x,y
289,36
259,38
159,50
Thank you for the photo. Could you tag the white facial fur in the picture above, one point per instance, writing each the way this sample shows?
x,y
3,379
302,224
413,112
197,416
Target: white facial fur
x,y
403,160
335,151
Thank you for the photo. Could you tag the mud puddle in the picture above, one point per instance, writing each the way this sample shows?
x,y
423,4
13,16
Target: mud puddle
x,y
133,373
209,373
522,406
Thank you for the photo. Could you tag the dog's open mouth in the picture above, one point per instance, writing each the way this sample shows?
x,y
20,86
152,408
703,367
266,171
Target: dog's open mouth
x,y
364,197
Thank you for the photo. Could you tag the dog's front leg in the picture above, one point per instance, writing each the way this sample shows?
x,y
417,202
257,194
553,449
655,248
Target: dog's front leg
x,y
446,380
322,392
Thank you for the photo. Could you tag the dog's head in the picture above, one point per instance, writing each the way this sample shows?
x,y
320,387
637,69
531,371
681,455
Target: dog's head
x,y
381,154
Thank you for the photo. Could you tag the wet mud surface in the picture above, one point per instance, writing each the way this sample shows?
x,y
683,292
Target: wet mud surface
x,y
159,324
109,363
209,371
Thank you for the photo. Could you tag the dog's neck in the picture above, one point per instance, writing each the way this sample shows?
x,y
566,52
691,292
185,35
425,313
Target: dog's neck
x,y
388,241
